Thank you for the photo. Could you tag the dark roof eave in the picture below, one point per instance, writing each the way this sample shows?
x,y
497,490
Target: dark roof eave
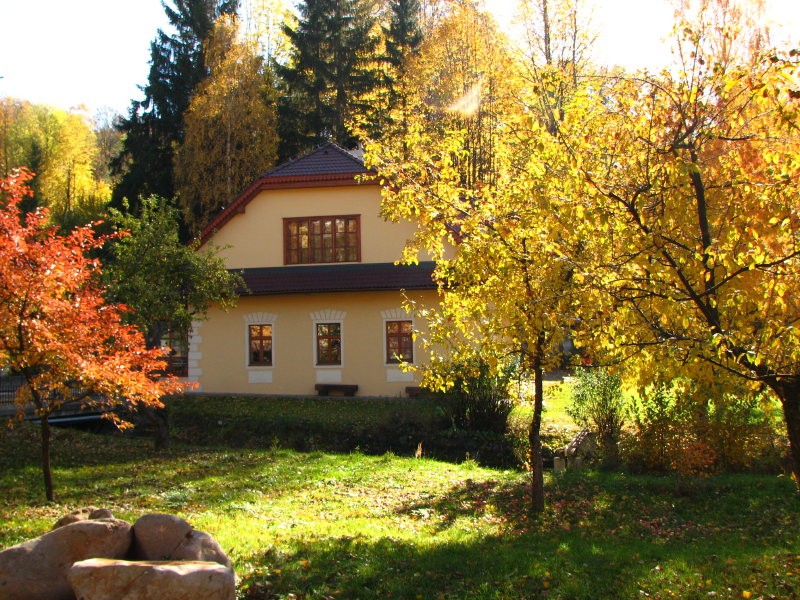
x,y
350,277
248,292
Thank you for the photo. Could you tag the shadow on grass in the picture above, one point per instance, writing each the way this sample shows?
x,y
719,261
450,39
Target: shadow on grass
x,y
353,526
600,537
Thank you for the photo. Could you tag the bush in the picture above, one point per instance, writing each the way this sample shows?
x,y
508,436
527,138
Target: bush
x,y
598,403
695,430
655,423
479,400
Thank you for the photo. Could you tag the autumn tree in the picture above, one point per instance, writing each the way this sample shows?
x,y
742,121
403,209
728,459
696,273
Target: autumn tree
x,y
483,181
330,76
67,181
463,78
154,125
230,128
166,283
63,149
557,40
263,22
56,329
691,211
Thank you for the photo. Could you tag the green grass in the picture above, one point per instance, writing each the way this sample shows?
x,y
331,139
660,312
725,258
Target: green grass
x,y
322,525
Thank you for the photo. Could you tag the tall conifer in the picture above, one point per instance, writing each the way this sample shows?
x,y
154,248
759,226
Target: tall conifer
x,y
331,75
155,124
404,34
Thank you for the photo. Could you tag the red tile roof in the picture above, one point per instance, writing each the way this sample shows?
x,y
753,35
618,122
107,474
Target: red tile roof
x,y
338,278
327,166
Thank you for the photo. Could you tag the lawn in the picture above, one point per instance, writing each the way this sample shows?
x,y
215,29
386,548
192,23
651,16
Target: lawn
x,y
349,525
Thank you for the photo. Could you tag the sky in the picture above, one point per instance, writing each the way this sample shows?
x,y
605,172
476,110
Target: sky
x,y
94,53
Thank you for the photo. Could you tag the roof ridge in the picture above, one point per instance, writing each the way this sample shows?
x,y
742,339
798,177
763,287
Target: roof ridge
x,y
322,148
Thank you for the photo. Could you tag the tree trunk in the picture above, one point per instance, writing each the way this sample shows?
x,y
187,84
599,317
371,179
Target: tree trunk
x,y
535,439
46,471
159,421
789,394
157,416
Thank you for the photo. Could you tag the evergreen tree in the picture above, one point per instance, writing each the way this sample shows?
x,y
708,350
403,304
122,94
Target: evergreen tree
x,y
404,34
155,124
332,74
402,39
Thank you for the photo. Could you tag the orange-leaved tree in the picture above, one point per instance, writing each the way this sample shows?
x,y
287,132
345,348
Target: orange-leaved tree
x,y
56,329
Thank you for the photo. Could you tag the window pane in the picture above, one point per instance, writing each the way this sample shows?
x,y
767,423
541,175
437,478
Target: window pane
x,y
260,344
399,342
322,239
329,344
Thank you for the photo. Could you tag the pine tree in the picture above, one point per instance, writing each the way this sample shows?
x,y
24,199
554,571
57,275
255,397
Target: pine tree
x,y
332,73
155,124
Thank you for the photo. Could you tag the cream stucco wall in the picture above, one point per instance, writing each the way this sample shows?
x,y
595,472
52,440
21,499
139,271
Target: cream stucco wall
x,y
218,360
255,237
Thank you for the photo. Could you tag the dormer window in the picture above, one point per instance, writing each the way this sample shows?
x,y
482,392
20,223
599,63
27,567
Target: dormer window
x,y
334,239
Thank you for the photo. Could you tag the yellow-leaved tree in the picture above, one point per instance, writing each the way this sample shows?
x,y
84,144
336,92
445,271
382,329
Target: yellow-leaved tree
x,y
691,216
477,166
62,149
230,132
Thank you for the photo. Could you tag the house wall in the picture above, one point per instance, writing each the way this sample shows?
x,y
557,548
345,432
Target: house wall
x,y
219,352
255,237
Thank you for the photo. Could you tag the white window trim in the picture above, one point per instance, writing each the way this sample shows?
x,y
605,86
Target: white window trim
x,y
327,316
259,318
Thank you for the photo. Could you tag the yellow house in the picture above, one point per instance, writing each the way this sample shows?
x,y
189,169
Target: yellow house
x,y
323,312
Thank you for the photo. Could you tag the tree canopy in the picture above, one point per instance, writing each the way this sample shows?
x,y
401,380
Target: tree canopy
x,y
691,186
166,283
654,215
331,73
57,330
155,124
230,132
63,149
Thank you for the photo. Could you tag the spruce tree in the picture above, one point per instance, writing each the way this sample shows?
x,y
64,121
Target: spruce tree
x,y
331,74
404,34
155,124
403,37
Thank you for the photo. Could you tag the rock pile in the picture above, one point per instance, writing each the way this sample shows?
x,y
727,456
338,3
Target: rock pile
x,y
90,555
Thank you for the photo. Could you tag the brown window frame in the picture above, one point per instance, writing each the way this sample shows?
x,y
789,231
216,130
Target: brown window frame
x,y
178,358
262,352
338,250
326,357
404,340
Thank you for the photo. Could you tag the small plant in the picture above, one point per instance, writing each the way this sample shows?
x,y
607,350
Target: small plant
x,y
598,403
655,421
479,400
